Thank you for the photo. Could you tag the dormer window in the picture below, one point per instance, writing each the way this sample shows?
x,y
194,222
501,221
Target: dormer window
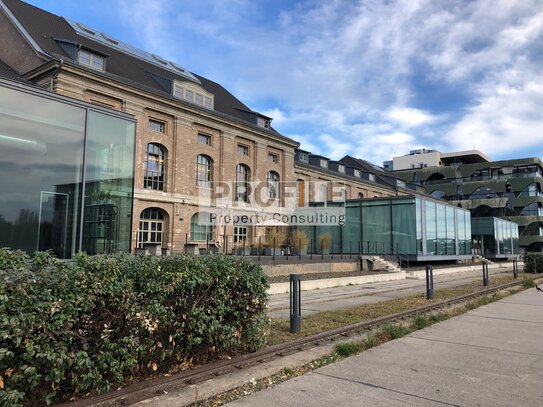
x,y
324,163
193,94
357,173
371,177
341,168
91,60
262,122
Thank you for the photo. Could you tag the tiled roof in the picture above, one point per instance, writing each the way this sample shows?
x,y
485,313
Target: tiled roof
x,y
48,29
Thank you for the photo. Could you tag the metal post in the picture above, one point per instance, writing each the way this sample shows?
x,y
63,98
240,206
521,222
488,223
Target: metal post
x,y
485,274
350,249
273,250
332,248
429,282
259,246
300,250
186,241
322,250
295,304
515,268
226,244
311,248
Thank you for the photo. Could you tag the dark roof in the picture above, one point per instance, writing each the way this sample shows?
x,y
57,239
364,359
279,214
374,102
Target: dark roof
x,y
382,176
8,73
48,30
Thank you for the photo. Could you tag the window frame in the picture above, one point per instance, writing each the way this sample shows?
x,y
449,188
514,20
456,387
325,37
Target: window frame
x,y
157,123
157,179
204,171
92,57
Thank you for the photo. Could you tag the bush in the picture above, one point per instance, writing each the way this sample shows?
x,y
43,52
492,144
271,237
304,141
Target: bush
x,y
70,329
533,263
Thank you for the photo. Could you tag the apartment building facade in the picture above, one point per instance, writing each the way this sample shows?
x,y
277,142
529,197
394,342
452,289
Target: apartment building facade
x,y
508,189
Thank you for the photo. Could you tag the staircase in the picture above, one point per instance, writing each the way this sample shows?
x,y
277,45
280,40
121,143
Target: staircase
x,y
379,263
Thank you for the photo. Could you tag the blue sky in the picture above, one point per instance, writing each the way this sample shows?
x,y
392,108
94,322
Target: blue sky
x,y
373,79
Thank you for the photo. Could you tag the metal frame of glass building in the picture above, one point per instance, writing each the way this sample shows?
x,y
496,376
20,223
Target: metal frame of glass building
x,y
66,173
495,238
418,227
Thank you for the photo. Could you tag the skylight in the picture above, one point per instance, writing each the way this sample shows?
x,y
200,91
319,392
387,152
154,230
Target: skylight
x,y
109,41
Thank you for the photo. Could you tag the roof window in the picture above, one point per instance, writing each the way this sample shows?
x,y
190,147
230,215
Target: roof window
x,y
91,60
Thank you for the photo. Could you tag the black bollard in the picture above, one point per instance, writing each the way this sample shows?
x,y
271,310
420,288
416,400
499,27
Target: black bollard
x,y
429,282
485,274
295,304
515,268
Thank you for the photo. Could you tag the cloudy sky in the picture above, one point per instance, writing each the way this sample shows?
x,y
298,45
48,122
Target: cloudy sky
x,y
369,78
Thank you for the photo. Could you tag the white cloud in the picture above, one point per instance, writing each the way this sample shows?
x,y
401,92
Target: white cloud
x,y
409,117
360,77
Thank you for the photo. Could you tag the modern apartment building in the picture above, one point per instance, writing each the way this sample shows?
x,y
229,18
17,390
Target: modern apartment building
x,y
509,189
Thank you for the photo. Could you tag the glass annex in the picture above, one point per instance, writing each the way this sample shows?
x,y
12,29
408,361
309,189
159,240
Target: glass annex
x,y
66,174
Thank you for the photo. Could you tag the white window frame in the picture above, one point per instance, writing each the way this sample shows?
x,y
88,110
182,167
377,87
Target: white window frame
x,y
95,61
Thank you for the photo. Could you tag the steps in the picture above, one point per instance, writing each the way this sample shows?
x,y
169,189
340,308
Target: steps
x,y
379,263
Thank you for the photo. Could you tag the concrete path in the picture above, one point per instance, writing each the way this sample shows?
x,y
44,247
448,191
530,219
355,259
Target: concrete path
x,y
330,299
491,356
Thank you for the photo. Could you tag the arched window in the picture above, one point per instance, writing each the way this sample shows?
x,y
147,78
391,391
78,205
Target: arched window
x,y
273,185
243,175
360,195
155,167
204,170
151,228
323,193
301,192
201,227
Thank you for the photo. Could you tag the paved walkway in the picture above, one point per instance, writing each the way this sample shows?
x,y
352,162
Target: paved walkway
x,y
491,356
330,299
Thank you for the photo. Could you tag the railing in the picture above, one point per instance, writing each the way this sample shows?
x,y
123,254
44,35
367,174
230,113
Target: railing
x,y
260,247
476,178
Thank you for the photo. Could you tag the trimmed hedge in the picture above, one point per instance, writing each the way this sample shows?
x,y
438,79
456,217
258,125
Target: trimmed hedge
x,y
533,262
72,329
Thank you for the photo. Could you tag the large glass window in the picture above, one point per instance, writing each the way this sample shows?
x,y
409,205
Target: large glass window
x,y
155,167
204,171
441,226
404,226
243,176
376,227
418,210
431,228
42,145
451,242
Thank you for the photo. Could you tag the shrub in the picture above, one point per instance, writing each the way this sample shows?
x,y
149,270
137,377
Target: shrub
x,y
69,329
533,262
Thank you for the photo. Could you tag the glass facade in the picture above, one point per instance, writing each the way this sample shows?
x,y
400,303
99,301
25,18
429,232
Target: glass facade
x,y
411,226
495,237
66,174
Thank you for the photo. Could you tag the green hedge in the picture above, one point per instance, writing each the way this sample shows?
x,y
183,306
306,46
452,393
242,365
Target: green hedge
x,y
72,329
533,262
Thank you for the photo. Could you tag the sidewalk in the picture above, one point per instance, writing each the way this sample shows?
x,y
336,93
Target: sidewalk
x,y
491,356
